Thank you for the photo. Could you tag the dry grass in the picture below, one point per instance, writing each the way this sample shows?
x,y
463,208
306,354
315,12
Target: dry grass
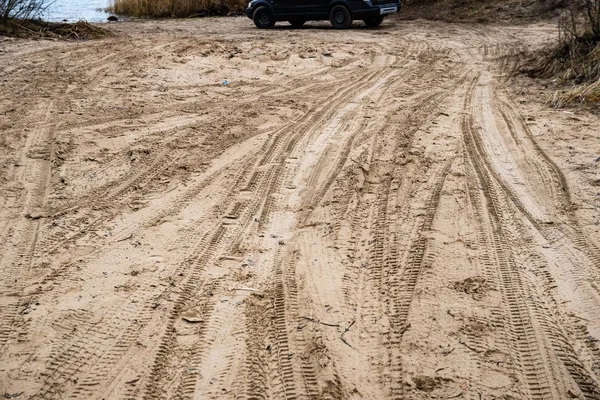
x,y
39,29
570,61
581,94
574,68
176,8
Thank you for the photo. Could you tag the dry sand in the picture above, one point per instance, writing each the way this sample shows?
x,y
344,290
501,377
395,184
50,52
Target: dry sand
x,y
360,214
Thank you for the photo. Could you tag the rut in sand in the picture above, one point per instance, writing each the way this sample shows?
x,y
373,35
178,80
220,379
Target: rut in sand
x,y
374,214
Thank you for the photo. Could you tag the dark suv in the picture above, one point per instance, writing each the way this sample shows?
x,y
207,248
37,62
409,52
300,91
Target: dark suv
x,y
341,13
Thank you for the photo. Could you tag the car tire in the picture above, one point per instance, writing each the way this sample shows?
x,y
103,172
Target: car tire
x,y
263,18
297,23
373,22
340,17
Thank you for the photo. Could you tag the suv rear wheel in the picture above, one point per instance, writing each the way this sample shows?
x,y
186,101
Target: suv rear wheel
x,y
374,21
296,23
263,18
340,17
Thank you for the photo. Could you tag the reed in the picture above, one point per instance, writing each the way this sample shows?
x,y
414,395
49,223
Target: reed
x,y
574,66
583,94
576,61
176,8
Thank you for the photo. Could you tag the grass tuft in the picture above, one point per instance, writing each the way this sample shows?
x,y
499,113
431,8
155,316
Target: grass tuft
x,y
577,61
574,67
579,95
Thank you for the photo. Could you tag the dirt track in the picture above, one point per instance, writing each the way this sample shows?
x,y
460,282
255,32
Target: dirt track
x,y
364,214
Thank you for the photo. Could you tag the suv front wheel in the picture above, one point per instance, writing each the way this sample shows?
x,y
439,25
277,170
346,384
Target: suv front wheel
x,y
263,18
374,21
340,17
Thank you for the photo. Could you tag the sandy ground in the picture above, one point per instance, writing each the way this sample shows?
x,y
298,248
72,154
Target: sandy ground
x,y
360,214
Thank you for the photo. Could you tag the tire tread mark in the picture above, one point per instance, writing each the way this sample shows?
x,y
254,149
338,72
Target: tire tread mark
x,y
523,323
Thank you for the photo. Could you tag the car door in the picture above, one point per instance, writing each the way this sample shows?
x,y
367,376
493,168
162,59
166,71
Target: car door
x,y
286,9
315,9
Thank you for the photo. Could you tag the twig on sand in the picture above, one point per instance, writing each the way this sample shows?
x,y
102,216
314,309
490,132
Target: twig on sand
x,y
125,238
320,322
346,330
24,27
248,289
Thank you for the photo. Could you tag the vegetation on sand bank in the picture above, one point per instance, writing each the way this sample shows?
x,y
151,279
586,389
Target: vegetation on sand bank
x,y
35,28
20,9
574,63
176,8
21,18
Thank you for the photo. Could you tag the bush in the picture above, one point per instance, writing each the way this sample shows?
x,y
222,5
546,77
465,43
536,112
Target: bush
x,y
574,63
577,62
593,14
581,19
176,8
20,9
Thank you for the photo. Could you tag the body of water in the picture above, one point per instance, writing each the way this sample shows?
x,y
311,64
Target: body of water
x,y
75,10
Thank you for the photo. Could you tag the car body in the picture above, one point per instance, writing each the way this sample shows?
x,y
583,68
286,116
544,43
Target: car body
x,y
341,13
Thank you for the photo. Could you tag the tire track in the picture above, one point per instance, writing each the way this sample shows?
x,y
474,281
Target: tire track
x,y
529,327
19,266
289,387
402,291
70,357
119,190
267,183
284,241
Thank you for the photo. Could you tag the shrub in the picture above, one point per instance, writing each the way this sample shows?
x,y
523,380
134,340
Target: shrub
x,y
593,15
581,19
20,9
574,63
